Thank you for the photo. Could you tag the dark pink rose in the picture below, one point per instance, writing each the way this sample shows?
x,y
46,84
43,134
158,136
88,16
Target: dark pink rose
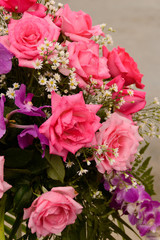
x,y
72,125
78,25
121,63
53,211
38,10
26,34
133,100
4,186
84,57
18,6
119,139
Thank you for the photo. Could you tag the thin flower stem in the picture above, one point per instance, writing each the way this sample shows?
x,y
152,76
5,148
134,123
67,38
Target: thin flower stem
x,y
20,126
2,212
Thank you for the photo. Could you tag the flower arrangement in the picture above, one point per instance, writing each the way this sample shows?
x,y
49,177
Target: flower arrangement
x,y
73,129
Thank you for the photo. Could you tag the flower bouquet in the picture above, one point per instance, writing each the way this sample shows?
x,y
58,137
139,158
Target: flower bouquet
x,y
73,129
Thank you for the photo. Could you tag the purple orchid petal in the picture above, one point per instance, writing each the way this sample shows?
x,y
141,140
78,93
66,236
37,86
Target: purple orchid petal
x,y
25,103
131,195
2,120
26,137
5,60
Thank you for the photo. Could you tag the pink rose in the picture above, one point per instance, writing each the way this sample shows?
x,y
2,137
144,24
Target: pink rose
x,y
72,125
84,57
133,100
38,10
19,6
118,140
4,186
121,63
26,34
78,25
53,211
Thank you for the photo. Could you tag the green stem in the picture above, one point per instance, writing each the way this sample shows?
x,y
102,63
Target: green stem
x,y
31,80
2,212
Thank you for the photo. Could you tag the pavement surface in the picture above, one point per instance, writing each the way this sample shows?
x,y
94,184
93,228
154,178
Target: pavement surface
x,y
137,25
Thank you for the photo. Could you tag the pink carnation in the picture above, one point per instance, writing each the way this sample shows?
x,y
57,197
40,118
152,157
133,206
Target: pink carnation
x,y
26,34
121,63
84,57
72,125
4,186
53,211
78,25
119,139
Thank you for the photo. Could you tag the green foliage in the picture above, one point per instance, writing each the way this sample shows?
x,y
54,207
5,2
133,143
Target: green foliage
x,y
56,169
142,172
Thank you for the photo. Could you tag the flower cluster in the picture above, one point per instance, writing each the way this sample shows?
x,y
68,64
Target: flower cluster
x,y
130,196
69,117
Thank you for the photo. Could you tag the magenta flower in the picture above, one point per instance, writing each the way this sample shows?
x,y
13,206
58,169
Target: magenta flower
x,y
5,60
26,137
134,201
2,119
25,103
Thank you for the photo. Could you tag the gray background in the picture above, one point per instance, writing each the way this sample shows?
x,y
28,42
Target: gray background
x,y
137,25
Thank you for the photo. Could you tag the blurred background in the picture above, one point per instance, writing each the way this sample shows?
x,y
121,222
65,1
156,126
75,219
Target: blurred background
x,y
137,25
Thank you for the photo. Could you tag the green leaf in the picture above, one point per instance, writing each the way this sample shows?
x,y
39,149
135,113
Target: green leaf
x,y
56,170
17,158
22,198
143,149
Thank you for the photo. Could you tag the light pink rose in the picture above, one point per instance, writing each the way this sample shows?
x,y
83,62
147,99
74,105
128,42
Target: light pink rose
x,y
134,100
78,25
26,34
119,139
72,125
53,211
121,63
18,6
84,57
4,186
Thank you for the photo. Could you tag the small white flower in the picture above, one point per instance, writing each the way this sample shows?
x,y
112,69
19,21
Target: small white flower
x,y
114,87
42,80
82,171
57,77
48,44
156,101
38,64
42,48
69,164
16,85
121,101
60,5
130,92
57,46
51,81
10,93
99,150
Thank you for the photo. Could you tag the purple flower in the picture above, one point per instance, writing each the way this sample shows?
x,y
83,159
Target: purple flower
x,y
26,137
2,119
134,201
25,103
5,60
149,217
